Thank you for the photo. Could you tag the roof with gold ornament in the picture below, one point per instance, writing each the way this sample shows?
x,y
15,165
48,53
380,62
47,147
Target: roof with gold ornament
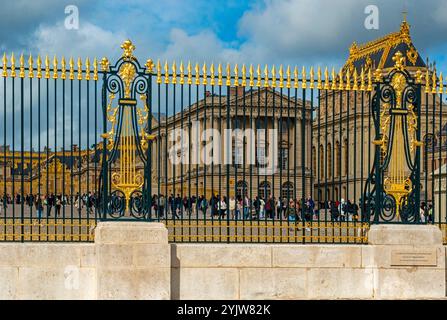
x,y
379,52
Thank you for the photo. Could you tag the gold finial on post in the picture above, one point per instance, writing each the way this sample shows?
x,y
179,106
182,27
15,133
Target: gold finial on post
x,y
87,69
355,87
166,68
79,69
219,74
55,76
30,67
303,78
104,64
362,79
258,76
182,73
39,67
311,74
295,76
326,79
189,69
419,76
174,72
5,65
427,82
128,49
71,63
204,75
197,75
22,66
244,75
340,77
47,67
158,71
228,75
319,86
441,85
212,75
13,66
281,77
95,69
288,77
378,75
433,81
63,68
266,76
348,80
273,71
369,88
334,80
149,65
236,76
252,76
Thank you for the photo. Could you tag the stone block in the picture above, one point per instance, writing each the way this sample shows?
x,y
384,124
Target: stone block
x,y
340,283
154,255
205,284
9,277
88,255
317,256
221,255
121,232
404,234
270,283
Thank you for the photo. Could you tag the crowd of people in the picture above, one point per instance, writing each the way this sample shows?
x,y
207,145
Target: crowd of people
x,y
46,203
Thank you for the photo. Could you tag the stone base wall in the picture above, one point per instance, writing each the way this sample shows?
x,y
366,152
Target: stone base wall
x,y
135,261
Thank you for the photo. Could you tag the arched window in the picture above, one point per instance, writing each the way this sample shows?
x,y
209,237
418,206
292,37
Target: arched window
x,y
287,190
264,190
329,160
345,157
241,188
322,162
337,159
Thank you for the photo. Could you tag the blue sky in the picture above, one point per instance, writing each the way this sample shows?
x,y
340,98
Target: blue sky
x,y
296,32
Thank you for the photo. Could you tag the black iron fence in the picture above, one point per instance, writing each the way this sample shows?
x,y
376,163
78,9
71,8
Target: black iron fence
x,y
218,153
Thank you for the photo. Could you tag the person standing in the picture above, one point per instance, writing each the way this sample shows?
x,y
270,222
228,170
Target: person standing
x,y
232,207
39,207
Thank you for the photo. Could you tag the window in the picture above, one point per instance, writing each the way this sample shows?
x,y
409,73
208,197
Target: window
x,y
346,157
283,157
287,191
264,190
337,159
261,157
237,154
322,162
241,188
329,160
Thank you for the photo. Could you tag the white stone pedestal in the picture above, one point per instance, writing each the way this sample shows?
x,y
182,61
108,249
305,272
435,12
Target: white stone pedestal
x,y
132,260
408,261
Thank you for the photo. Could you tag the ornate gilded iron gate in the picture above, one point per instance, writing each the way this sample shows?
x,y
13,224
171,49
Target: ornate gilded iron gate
x,y
126,113
392,190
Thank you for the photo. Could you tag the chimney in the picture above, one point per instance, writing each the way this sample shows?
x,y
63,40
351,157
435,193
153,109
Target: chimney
x,y
233,90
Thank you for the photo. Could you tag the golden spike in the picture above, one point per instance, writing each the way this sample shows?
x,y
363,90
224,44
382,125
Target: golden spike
x,y
13,67
296,80
355,86
311,73
427,82
266,76
369,80
258,76
158,71
303,78
212,75
228,83
244,76
326,79
166,72
362,80
174,73
441,85
95,69
288,77
340,76
79,69
5,65
251,71
204,75
47,67
219,74
87,69
182,73
281,77
71,63
273,76
197,75
236,76
334,80
22,66
348,80
39,67
30,67
433,80
188,68
55,67
319,86
63,68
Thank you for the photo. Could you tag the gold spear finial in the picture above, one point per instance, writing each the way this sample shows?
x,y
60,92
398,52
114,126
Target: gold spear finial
x,y
311,74
204,74
79,69
87,69
63,68
334,79
95,69
296,80
30,67
362,80
219,74
266,76
244,75
427,82
258,76
228,82
13,66
252,76
273,71
166,68
197,75
326,79
5,65
47,67
433,81
355,87
281,76
304,78
340,76
174,72
22,66
441,85
55,76
188,68
348,80
369,80
319,86
39,67
212,75
71,63
236,76
288,77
